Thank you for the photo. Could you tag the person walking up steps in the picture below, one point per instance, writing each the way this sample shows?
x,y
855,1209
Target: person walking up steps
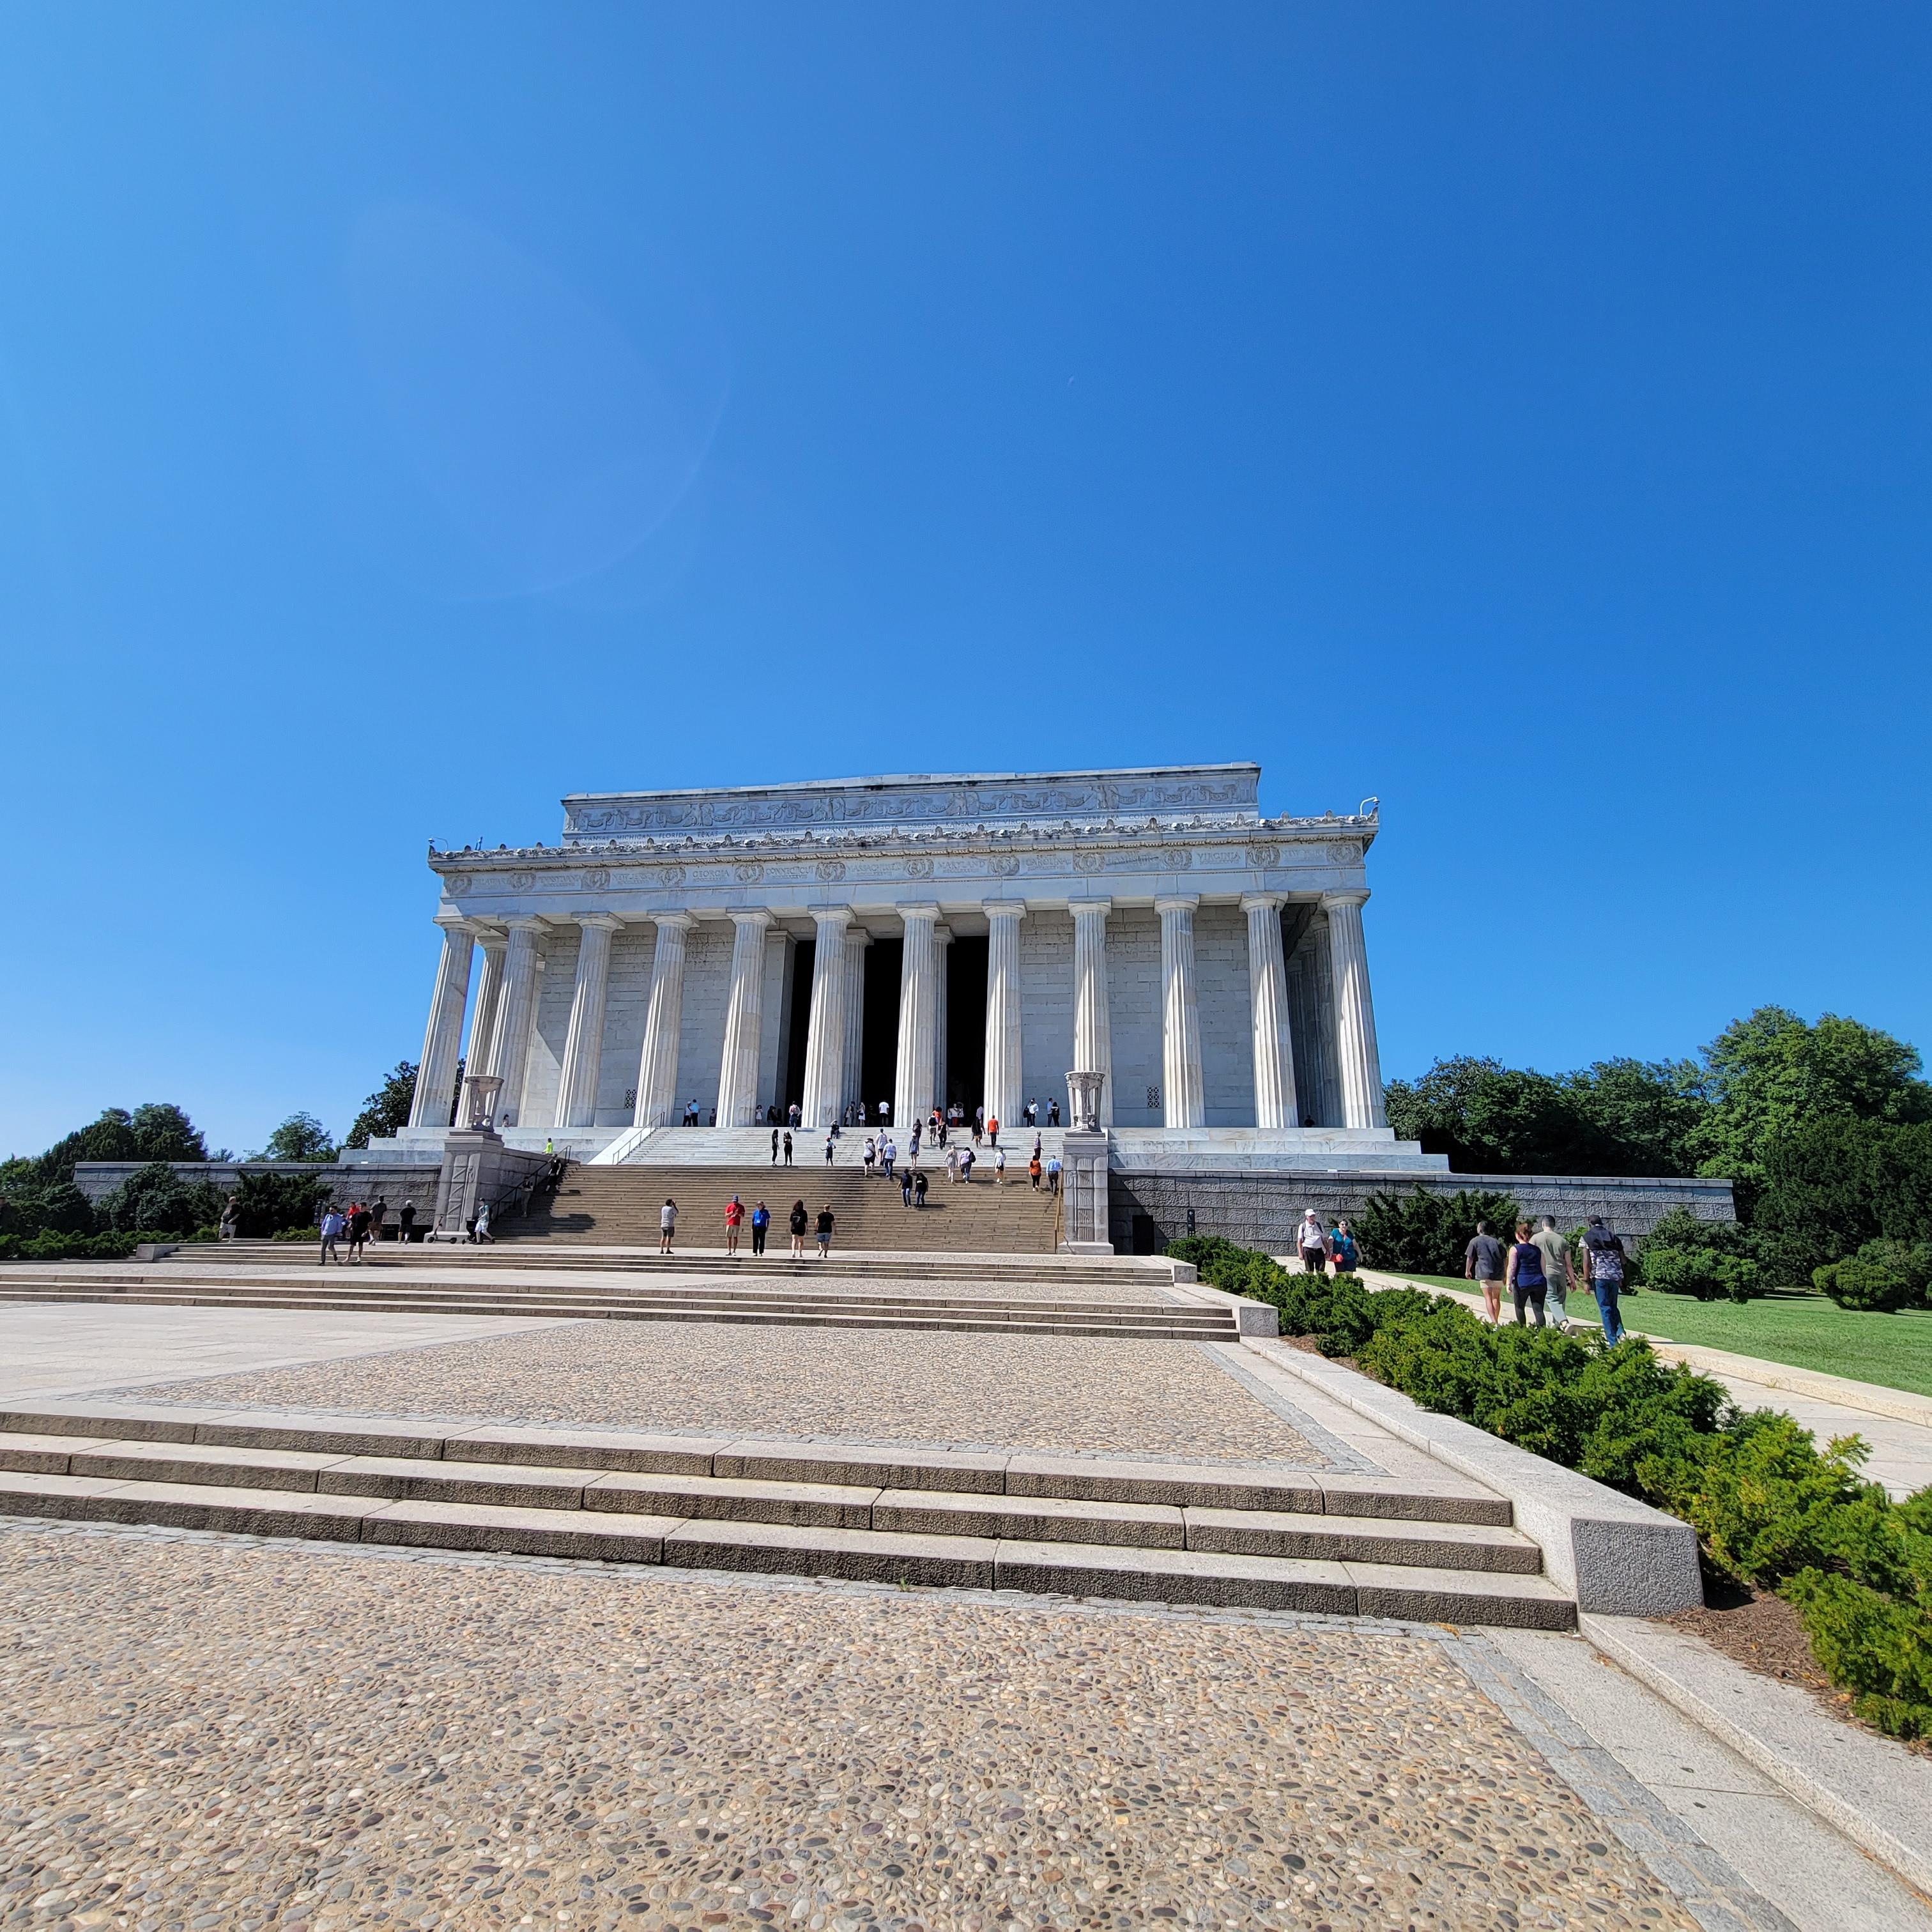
x,y
1033,1171
1525,1277
774,1147
667,1225
761,1219
799,1222
734,1216
919,1188
788,1148
992,1130
1482,1263
999,1165
1053,1173
826,1219
905,1187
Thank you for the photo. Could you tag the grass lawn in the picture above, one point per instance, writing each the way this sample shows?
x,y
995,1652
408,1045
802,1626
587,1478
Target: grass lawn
x,y
1806,1331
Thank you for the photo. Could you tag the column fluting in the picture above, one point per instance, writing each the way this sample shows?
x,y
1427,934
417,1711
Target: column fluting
x,y
825,1032
583,1044
1003,1099
857,940
942,940
510,1049
1093,1028
744,1021
442,1037
1275,1103
1359,1060
1182,1101
919,1014
664,1019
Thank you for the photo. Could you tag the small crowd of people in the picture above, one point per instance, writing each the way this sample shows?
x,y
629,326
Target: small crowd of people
x,y
759,1217
1541,1266
359,1225
959,1156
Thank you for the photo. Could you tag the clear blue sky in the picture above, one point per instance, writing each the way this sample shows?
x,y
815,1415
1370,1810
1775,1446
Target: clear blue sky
x,y
410,413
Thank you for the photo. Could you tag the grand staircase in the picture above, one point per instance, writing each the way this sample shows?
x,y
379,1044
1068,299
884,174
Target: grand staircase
x,y
619,1206
1269,1539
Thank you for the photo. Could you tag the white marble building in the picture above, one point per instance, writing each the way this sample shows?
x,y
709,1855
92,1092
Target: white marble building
x,y
922,941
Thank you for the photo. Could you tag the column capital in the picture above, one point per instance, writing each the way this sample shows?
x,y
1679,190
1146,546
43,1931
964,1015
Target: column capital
x,y
674,922
455,922
604,922
1078,907
942,933
1176,902
857,935
528,922
1003,908
490,939
916,909
831,915
1353,895
758,916
1263,902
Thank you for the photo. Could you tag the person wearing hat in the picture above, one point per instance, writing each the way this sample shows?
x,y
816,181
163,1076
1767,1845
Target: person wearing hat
x,y
1313,1242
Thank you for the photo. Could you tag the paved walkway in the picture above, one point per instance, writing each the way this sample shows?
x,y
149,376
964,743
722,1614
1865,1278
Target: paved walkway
x,y
223,1732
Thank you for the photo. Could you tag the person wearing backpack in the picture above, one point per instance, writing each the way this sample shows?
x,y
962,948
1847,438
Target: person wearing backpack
x,y
1603,1255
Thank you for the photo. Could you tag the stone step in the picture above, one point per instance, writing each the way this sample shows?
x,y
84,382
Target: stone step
x,y
1179,1325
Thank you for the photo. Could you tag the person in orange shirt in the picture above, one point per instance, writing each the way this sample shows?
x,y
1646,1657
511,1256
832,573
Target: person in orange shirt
x,y
734,1216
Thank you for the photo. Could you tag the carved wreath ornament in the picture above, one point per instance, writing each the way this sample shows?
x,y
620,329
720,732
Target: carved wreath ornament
x,y
919,866
521,882
456,884
1006,864
830,869
597,879
750,872
1264,855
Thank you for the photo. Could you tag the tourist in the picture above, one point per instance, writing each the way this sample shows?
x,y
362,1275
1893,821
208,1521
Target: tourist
x,y
1482,1263
967,1158
939,1130
791,1114
734,1213
905,1187
919,1188
978,1125
1603,1254
952,1165
1313,1244
332,1225
358,1232
913,1156
993,1129
761,1219
480,1228
1342,1245
799,1220
871,1155
888,1154
230,1213
1525,1277
1032,1113
691,1112
667,1225
1053,1173
1558,1273
1034,1169
405,1221
379,1212
775,1146
826,1219
831,1142
885,1113
1053,1113
999,1165
788,1144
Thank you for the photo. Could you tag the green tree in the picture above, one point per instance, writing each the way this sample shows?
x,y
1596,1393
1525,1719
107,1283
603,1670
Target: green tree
x,y
300,1137
1489,1118
1646,1111
1770,1073
163,1132
156,1130
386,1111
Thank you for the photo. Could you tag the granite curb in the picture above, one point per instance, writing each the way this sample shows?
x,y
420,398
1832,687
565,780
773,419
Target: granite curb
x,y
1873,1791
1609,1552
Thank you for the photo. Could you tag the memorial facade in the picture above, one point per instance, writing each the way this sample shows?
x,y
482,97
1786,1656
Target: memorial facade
x,y
966,940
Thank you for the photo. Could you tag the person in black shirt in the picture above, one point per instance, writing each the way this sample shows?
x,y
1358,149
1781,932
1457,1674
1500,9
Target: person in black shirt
x,y
799,1222
1482,1263
825,1218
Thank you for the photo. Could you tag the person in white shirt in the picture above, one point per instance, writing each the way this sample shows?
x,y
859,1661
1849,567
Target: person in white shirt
x,y
667,1225
1313,1242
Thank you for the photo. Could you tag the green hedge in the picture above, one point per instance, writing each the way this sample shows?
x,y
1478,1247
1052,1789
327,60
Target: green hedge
x,y
1770,1506
111,1246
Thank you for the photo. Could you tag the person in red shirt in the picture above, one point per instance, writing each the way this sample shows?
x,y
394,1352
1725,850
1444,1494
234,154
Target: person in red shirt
x,y
734,1216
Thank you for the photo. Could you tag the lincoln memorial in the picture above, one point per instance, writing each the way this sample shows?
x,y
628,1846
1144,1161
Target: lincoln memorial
x,y
968,939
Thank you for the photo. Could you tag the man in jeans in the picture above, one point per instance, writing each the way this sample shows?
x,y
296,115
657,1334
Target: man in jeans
x,y
1483,1261
1604,1255
1557,1271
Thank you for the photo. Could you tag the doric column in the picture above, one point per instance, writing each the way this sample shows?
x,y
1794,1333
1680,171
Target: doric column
x,y
1003,1099
1361,1063
1093,1031
511,1047
488,1002
1275,1103
1182,1103
442,1038
857,940
942,939
657,1064
919,1014
583,1045
744,1021
825,1034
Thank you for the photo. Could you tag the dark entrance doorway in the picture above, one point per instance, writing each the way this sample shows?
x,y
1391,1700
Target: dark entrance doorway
x,y
879,1051
803,955
965,1023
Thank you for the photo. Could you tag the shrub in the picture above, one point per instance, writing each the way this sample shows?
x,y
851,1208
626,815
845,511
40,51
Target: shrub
x,y
156,1196
266,1203
53,1246
58,1206
1427,1234
1883,1276
1708,1259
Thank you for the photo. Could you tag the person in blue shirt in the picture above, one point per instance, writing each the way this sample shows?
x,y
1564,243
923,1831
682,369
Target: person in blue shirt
x,y
761,1219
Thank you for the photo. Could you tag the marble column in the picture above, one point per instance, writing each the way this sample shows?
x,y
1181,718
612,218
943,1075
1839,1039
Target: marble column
x,y
942,938
1360,1063
583,1044
488,1003
510,1049
663,1018
857,940
1004,1099
1275,1103
919,1014
1182,1103
744,1021
825,1032
1092,1029
442,1038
